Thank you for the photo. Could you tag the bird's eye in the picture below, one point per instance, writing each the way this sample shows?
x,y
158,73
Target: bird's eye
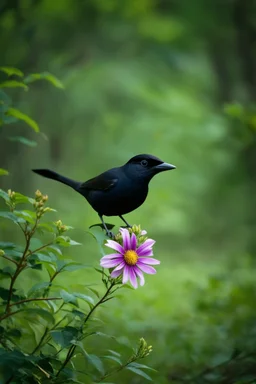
x,y
144,163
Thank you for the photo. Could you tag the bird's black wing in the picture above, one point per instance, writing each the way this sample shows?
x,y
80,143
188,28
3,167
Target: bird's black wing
x,y
102,182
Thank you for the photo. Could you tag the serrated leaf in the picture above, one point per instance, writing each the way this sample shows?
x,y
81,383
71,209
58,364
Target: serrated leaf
x,y
3,172
73,266
139,372
13,84
22,116
23,140
44,76
10,71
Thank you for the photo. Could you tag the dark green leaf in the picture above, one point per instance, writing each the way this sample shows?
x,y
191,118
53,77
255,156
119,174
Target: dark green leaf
x,y
65,336
44,76
23,140
22,116
6,245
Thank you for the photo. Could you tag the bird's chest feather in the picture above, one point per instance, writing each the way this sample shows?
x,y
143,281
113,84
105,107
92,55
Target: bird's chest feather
x,y
123,198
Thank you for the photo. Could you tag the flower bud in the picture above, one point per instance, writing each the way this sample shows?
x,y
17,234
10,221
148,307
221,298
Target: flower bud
x,y
2,252
38,195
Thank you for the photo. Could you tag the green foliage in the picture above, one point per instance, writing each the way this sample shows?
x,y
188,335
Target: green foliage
x,y
44,328
11,115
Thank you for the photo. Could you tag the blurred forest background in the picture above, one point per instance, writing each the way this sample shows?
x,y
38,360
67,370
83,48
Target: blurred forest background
x,y
173,78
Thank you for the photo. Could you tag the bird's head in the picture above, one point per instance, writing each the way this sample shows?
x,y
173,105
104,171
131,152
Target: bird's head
x,y
146,166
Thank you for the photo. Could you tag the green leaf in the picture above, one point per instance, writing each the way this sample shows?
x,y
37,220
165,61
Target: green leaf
x,y
13,84
11,216
139,372
65,336
92,359
39,312
113,358
3,172
37,288
65,241
4,195
141,366
22,116
44,76
10,71
73,266
23,140
68,297
4,274
20,199
28,216
86,298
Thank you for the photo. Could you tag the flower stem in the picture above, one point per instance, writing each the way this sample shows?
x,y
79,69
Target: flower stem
x,y
72,349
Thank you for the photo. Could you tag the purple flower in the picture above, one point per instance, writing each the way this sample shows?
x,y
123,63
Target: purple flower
x,y
130,259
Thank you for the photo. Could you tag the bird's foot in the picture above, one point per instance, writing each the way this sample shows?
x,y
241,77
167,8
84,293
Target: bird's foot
x,y
110,234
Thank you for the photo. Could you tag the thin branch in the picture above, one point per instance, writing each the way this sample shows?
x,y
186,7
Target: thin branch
x,y
9,314
39,249
35,299
8,258
73,347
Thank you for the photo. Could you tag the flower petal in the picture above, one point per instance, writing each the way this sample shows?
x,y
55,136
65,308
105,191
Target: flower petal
x,y
139,274
126,239
133,279
110,263
120,266
133,242
146,252
146,268
148,260
117,247
147,244
126,274
115,273
112,256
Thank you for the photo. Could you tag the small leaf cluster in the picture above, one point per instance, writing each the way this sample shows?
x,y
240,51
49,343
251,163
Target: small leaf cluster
x,y
44,329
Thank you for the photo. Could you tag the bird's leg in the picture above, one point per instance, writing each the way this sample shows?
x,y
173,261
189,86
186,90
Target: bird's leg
x,y
108,233
128,225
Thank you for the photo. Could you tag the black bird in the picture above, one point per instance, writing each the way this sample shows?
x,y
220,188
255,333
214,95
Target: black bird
x,y
119,190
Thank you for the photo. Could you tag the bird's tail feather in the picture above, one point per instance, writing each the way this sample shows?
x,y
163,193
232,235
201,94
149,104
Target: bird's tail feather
x,y
56,176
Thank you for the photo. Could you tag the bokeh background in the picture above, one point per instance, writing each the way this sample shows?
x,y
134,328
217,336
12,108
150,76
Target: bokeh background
x,y
171,78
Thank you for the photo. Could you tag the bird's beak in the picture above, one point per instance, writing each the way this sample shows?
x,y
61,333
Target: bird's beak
x,y
164,167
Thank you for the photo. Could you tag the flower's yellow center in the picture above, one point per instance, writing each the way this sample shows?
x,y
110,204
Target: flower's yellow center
x,y
130,257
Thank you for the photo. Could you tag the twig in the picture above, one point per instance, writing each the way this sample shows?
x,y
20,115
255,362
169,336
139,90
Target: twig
x,y
35,299
13,261
73,347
